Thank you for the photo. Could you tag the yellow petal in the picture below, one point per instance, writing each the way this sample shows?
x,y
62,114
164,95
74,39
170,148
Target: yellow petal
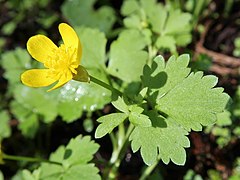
x,y
70,38
40,47
37,78
63,80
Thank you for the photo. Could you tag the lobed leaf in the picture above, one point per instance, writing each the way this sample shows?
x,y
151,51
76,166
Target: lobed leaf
x,y
108,123
194,102
165,140
74,158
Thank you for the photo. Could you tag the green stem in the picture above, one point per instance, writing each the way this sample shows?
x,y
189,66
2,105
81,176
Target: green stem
x,y
29,159
105,85
119,153
148,170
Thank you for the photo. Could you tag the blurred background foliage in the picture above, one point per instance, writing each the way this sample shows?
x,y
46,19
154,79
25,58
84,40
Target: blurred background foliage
x,y
114,34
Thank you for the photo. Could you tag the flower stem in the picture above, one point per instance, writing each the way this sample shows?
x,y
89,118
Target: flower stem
x,y
105,85
29,159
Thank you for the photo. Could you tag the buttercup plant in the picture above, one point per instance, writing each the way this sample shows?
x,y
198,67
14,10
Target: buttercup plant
x,y
170,102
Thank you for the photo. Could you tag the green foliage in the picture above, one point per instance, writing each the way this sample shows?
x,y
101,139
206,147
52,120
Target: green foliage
x,y
74,159
160,101
165,139
227,129
108,123
5,130
28,119
191,175
103,18
132,111
182,101
15,62
165,26
127,65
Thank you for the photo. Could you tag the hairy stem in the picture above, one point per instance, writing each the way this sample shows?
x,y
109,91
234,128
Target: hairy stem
x,y
105,85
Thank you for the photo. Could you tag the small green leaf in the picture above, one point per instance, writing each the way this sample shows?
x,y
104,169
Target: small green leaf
x,y
165,139
133,21
121,105
138,119
129,6
170,26
74,157
166,42
177,22
156,13
136,109
224,118
108,123
127,56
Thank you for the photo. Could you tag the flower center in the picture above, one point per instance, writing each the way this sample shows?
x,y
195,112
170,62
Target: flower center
x,y
62,62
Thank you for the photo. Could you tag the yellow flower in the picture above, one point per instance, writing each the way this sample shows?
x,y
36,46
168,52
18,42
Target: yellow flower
x,y
62,63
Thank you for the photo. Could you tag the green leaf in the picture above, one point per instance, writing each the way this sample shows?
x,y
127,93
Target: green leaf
x,y
75,97
224,118
164,76
166,42
192,101
121,105
129,6
165,140
127,56
5,130
108,123
177,22
28,120
27,175
38,101
156,13
138,119
14,63
74,157
170,26
79,12
132,22
94,47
